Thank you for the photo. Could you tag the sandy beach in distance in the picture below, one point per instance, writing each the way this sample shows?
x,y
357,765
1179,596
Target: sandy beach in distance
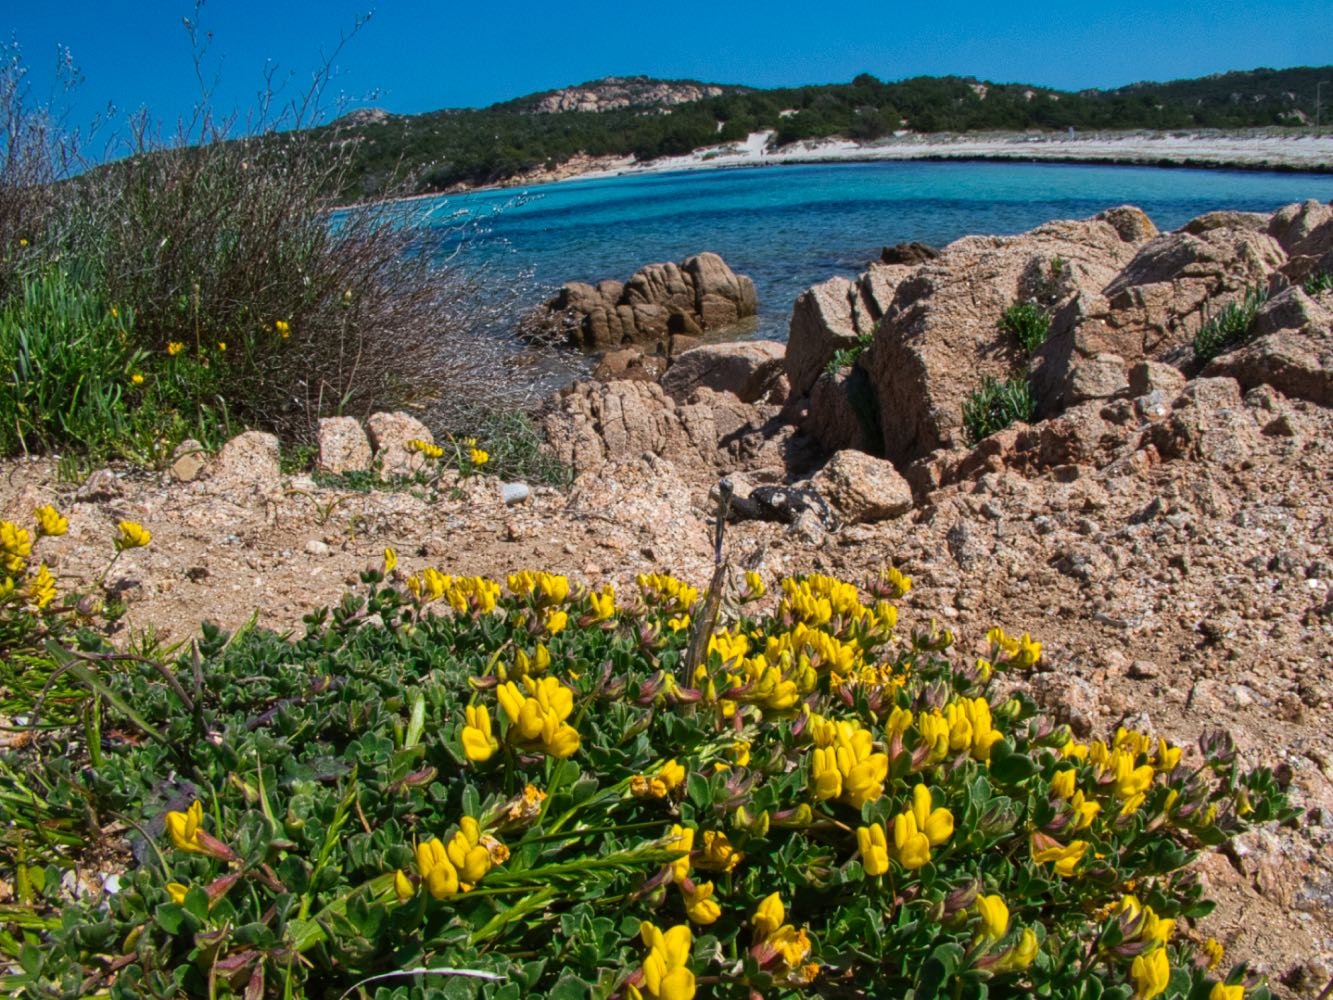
x,y
1256,149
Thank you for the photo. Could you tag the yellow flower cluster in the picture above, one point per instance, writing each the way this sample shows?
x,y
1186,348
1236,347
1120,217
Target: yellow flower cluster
x,y
132,536
1064,857
15,557
844,764
537,719
817,599
666,592
428,449
915,831
15,547
477,456
1081,811
174,347
1021,653
544,589
447,869
1147,936
1128,765
965,726
779,943
602,603
669,777
50,521
479,743
284,328
665,974
465,594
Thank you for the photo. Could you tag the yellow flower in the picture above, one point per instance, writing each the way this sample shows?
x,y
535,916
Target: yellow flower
x,y
1065,858
1213,952
42,587
994,916
680,839
222,346
1063,783
666,973
466,853
402,886
137,378
556,621
15,546
754,586
174,347
871,842
183,828
284,328
936,824
700,906
769,915
478,742
1150,972
438,872
132,536
718,855
672,774
479,456
792,946
1221,991
390,561
1020,956
49,521
910,845
177,892
603,603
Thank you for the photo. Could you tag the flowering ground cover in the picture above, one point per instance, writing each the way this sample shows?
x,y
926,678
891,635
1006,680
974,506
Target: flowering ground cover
x,y
453,786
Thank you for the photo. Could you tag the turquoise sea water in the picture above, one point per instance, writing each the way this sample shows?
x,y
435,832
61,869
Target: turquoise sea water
x,y
791,226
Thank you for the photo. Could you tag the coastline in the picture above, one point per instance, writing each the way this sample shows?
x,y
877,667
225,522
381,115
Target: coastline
x,y
1202,149
1259,149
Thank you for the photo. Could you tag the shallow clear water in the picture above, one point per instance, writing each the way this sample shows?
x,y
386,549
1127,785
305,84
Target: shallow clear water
x,y
791,226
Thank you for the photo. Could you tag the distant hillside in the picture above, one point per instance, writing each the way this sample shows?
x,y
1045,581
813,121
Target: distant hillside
x,y
649,118
616,93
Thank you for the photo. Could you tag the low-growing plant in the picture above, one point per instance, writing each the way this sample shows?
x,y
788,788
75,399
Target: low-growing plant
x,y
845,357
1229,327
536,785
67,363
1028,323
996,405
1318,283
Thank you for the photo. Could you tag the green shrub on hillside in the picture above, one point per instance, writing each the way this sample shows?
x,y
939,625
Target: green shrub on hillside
x,y
539,784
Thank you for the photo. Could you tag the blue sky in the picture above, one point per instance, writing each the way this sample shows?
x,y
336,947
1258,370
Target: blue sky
x,y
416,55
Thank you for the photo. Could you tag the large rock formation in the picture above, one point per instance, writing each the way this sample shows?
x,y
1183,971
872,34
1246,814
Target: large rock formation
x,y
1124,301
940,333
696,296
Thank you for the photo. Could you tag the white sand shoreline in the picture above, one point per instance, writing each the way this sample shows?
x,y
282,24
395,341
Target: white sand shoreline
x,y
1255,150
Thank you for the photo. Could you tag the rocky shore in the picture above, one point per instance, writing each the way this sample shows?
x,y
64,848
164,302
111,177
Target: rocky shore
x,y
1163,525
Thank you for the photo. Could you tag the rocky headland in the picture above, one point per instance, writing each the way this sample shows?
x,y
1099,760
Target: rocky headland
x,y
1163,525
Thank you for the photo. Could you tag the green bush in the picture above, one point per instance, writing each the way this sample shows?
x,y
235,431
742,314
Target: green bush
x,y
995,406
1229,327
1028,324
540,784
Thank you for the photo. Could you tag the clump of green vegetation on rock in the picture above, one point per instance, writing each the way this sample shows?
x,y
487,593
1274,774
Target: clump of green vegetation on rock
x,y
1028,323
1229,327
995,406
